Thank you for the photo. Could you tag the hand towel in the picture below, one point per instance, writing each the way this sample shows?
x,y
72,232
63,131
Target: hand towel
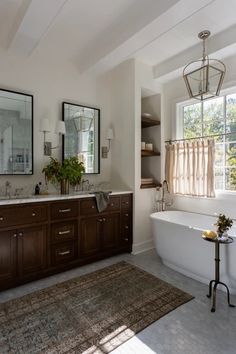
x,y
102,199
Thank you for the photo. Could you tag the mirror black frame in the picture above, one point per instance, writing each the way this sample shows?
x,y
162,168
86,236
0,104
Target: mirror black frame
x,y
98,137
32,134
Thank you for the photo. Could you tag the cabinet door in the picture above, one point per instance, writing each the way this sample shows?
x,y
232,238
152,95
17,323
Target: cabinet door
x,y
7,256
110,231
90,240
32,245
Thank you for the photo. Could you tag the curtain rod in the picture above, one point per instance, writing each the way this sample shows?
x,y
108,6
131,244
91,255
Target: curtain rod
x,y
199,137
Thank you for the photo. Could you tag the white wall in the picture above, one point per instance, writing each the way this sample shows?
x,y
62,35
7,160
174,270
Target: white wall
x,y
120,93
51,81
144,199
124,86
174,92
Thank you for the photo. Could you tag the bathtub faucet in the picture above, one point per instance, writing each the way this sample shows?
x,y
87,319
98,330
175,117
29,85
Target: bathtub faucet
x,y
162,201
165,188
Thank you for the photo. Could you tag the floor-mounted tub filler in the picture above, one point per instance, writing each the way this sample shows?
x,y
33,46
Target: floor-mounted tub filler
x,y
178,241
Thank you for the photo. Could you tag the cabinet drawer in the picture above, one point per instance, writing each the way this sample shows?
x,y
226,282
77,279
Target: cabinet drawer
x,y
63,253
114,204
126,220
64,210
126,228
126,234
126,202
22,215
63,231
88,207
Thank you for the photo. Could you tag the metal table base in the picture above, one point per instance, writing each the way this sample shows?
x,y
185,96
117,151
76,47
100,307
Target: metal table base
x,y
216,281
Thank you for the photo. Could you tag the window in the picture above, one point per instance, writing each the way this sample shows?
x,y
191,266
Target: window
x,y
212,117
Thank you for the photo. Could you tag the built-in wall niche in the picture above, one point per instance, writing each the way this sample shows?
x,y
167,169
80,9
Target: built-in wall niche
x,y
150,141
16,133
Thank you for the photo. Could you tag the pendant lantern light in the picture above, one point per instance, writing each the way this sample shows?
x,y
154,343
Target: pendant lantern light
x,y
204,77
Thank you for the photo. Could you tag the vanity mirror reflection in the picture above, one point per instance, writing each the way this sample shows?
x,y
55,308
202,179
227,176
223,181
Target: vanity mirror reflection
x,y
82,138
16,133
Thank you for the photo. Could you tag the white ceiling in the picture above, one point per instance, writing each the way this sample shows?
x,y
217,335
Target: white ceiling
x,y
99,34
216,17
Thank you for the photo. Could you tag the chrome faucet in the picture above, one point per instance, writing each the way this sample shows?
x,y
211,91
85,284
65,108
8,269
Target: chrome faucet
x,y
7,189
162,201
85,181
165,188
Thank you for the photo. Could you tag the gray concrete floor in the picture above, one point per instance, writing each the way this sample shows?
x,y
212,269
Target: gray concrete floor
x,y
190,329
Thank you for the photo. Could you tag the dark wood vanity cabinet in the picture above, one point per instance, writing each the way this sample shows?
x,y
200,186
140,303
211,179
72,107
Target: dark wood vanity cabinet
x,y
22,253
110,232
64,216
99,234
89,239
31,250
38,239
8,257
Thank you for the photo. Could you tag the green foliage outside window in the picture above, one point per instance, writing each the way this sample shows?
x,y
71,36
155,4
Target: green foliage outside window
x,y
216,116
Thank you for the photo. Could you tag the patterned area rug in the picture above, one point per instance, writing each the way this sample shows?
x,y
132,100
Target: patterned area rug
x,y
94,313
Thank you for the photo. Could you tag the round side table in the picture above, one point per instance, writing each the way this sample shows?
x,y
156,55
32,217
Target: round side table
x,y
217,281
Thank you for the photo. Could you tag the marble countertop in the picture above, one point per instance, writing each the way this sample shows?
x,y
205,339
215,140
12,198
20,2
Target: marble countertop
x,y
52,197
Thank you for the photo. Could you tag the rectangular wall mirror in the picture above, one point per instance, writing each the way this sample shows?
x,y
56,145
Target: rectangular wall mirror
x,y
82,136
16,133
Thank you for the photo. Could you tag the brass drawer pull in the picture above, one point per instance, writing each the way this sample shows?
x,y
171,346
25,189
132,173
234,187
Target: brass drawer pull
x,y
64,232
64,210
126,239
100,220
126,227
1,218
33,214
127,215
15,235
112,204
92,206
126,203
104,219
20,233
64,253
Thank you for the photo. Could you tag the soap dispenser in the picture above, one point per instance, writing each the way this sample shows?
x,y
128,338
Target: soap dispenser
x,y
37,189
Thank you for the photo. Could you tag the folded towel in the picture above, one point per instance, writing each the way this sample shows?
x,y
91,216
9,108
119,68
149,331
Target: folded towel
x,y
102,199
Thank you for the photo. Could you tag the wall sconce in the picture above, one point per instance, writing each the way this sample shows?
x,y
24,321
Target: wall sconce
x,y
106,149
45,128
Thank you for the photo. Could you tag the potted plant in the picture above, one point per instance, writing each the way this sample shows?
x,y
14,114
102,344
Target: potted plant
x,y
69,172
223,224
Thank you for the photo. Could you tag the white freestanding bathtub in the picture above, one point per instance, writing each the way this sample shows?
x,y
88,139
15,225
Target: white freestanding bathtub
x,y
178,241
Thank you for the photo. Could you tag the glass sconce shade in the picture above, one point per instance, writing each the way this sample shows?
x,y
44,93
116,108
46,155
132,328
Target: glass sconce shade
x,y
110,134
61,128
44,125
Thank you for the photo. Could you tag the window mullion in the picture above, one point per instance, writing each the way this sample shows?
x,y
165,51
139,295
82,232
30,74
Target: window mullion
x,y
202,118
224,145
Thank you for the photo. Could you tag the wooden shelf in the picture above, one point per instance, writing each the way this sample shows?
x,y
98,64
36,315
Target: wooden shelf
x,y
146,153
151,185
149,122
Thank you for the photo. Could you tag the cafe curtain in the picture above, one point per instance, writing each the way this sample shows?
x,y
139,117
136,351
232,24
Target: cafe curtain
x,y
190,167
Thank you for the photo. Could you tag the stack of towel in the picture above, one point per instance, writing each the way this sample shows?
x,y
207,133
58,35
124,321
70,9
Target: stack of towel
x,y
147,180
